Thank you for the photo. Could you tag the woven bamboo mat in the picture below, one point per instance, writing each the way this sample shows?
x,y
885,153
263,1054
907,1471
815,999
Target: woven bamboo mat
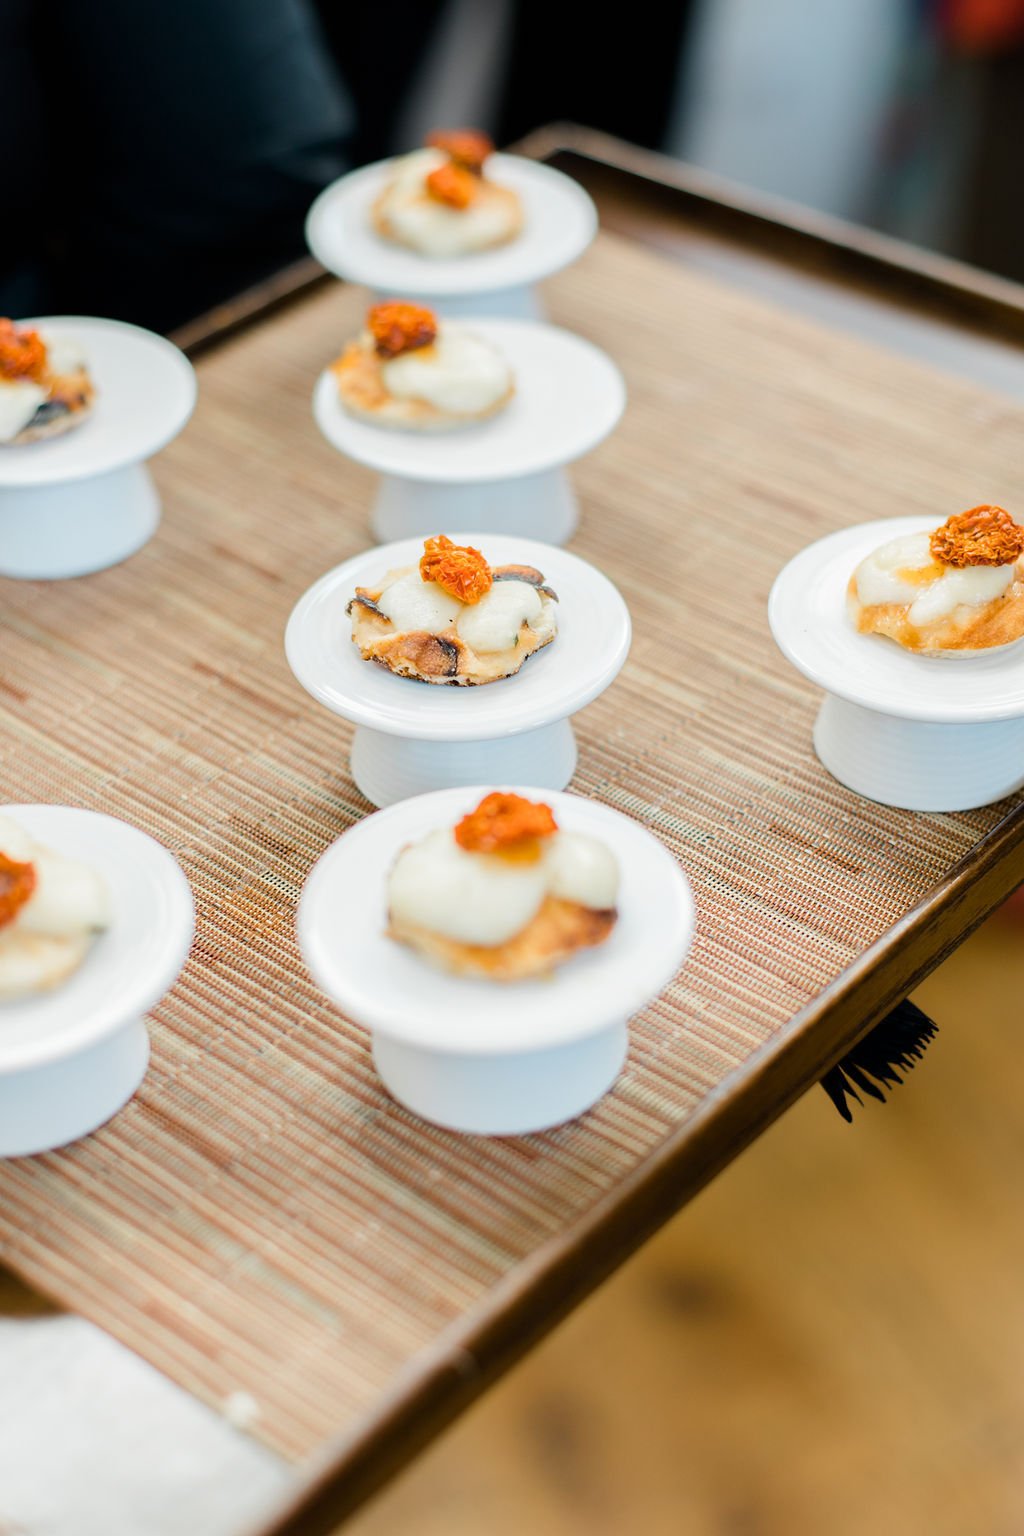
x,y
262,1218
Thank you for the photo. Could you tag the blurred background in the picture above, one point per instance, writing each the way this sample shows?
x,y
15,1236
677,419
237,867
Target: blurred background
x,y
161,157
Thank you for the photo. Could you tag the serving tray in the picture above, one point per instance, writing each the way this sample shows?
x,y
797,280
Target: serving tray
x,y
263,1220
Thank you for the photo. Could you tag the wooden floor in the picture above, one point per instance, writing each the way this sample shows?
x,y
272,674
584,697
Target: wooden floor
x,y
828,1342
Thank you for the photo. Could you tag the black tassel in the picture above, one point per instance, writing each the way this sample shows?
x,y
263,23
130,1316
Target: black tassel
x,y
875,1062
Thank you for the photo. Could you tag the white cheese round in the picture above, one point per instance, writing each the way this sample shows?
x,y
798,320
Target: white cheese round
x,y
971,586
493,624
472,898
412,603
19,401
887,574
582,869
69,897
460,372
63,354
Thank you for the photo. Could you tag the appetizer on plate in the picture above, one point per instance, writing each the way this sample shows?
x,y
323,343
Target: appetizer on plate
x,y
439,202
505,895
408,369
954,591
45,387
51,909
453,618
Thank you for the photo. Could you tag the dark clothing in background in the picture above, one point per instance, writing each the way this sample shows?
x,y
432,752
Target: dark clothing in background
x,y
616,70
165,153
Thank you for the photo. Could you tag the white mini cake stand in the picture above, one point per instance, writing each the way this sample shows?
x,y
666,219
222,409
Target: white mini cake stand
x,y
485,1057
924,733
412,737
502,475
75,504
71,1058
560,221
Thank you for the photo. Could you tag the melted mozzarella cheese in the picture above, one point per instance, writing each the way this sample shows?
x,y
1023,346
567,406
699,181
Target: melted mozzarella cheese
x,y
432,227
412,603
69,898
582,869
19,401
479,898
970,586
460,373
903,571
63,354
493,624
49,936
469,897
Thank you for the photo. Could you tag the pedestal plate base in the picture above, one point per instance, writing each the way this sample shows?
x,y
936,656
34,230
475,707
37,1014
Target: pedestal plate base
x,y
540,506
916,765
391,768
502,1094
520,303
76,527
46,1107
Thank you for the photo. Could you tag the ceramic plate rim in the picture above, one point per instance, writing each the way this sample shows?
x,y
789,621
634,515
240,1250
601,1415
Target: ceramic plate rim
x,y
418,276
922,700
575,992
145,991
32,468
499,712
391,451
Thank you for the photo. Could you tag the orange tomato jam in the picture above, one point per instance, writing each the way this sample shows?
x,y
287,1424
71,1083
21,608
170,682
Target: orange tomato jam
x,y
984,535
465,145
452,184
507,825
397,327
17,882
457,569
22,352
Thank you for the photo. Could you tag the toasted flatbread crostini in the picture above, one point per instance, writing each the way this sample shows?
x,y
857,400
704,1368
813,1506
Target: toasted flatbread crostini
x,y
957,591
51,909
505,895
439,202
412,371
45,388
453,618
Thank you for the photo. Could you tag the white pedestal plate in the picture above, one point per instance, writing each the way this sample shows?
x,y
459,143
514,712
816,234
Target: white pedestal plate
x,y
476,1056
79,503
413,737
939,733
71,1058
560,221
502,475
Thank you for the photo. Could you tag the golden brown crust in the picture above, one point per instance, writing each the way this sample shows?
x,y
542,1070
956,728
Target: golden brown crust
x,y
487,193
363,394
962,632
558,931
